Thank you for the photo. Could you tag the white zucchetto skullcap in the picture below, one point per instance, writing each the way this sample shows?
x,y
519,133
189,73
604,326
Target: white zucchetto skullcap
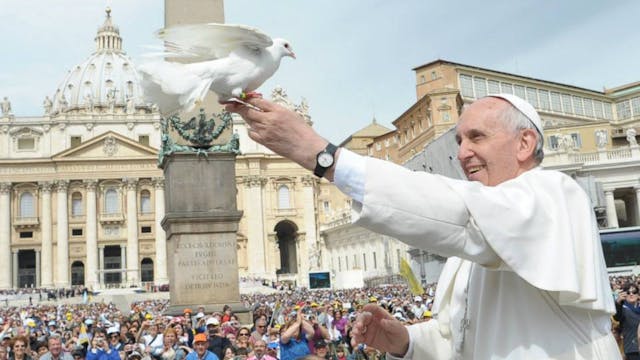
x,y
524,107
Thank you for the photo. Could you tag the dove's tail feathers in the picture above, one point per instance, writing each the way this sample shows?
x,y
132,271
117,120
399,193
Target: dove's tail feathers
x,y
163,83
172,86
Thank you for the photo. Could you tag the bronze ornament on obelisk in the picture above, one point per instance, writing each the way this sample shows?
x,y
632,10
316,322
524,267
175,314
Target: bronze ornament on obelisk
x,y
201,216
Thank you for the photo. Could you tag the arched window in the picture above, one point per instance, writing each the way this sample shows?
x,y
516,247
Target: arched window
x,y
111,202
145,202
146,270
76,204
27,205
283,197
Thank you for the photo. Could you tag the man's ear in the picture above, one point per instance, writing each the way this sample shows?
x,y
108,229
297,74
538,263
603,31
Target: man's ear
x,y
527,144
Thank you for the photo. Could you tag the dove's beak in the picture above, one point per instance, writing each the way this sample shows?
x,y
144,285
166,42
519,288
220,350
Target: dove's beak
x,y
292,54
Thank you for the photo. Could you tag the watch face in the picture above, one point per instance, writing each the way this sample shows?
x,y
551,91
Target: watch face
x,y
325,160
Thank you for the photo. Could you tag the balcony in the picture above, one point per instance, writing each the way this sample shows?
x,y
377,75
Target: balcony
x,y
111,218
609,156
26,222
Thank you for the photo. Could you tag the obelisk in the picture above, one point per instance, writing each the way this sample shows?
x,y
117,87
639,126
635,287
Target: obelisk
x,y
201,215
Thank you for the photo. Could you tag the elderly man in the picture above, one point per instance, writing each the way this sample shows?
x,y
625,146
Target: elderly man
x,y
55,352
260,332
200,344
526,277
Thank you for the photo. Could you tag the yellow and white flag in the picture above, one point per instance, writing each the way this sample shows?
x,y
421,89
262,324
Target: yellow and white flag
x,y
407,273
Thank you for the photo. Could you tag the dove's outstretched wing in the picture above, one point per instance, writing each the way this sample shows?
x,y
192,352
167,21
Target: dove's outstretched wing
x,y
201,42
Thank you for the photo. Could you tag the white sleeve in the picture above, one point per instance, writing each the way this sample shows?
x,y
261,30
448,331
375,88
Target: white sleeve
x,y
350,174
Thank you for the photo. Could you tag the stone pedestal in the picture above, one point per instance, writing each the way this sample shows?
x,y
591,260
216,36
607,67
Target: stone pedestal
x,y
201,223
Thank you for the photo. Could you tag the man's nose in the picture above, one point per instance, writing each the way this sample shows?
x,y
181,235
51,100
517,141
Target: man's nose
x,y
464,151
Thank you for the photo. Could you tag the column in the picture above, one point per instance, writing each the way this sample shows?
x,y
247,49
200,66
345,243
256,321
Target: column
x,y
62,241
160,274
123,261
37,269
91,268
132,231
46,257
5,236
15,269
612,216
101,266
308,198
255,225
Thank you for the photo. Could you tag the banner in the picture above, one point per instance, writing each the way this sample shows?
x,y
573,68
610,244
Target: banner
x,y
407,273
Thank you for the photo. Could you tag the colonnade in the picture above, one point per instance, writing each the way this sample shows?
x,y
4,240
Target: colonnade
x,y
94,260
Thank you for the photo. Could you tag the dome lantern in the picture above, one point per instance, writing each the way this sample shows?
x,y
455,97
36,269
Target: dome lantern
x,y
108,38
106,82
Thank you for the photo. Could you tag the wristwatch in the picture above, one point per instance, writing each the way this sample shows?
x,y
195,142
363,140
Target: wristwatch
x,y
325,160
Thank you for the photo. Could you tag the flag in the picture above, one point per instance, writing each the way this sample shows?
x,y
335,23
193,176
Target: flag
x,y
407,273
276,313
85,297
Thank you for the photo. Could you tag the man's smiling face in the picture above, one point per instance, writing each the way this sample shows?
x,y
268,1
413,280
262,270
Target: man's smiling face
x,y
488,146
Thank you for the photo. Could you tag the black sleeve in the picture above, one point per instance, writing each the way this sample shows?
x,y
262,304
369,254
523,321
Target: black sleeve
x,y
619,315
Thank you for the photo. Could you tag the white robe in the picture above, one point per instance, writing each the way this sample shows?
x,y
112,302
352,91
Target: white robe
x,y
526,272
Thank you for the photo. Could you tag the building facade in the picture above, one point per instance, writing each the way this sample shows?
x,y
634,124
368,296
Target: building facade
x,y
81,197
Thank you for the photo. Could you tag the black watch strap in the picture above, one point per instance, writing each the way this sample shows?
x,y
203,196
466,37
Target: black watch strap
x,y
320,170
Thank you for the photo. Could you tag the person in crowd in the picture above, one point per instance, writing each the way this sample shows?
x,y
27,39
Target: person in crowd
x,y
242,339
273,350
78,353
260,351
39,349
320,333
341,352
229,353
200,345
100,349
152,338
322,350
340,322
217,342
20,348
4,353
115,341
260,332
172,350
55,351
628,316
294,338
183,338
226,314
543,254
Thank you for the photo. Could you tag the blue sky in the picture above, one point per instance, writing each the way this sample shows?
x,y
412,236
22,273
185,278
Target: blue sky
x,y
354,56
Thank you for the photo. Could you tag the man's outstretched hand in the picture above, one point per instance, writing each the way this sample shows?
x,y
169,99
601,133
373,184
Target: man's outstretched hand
x,y
377,328
281,130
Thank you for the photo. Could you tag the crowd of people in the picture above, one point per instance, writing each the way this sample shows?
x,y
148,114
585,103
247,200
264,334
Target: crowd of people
x,y
289,324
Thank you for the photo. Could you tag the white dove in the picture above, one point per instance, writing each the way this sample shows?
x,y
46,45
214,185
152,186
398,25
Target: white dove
x,y
230,60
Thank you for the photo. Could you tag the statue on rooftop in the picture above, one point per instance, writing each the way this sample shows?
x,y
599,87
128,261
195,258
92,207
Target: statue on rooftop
x,y
47,104
5,106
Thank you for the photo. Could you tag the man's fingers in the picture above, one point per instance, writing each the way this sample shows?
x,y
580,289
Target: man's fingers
x,y
261,103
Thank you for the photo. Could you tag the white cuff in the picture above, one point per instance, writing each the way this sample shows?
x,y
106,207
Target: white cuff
x,y
349,174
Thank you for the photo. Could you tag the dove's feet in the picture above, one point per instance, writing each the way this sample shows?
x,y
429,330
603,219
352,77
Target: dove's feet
x,y
250,94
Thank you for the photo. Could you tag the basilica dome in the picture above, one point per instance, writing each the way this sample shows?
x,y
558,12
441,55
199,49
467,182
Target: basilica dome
x,y
106,82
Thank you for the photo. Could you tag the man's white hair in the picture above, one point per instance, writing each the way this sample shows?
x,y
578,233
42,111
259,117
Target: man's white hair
x,y
515,120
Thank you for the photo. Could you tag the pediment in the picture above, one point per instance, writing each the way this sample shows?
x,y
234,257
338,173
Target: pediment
x,y
108,146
